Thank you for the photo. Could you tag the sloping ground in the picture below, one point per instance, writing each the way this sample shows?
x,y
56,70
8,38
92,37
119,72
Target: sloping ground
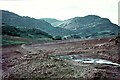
x,y
14,40
37,61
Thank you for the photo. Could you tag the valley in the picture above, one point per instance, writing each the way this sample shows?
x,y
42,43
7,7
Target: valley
x,y
86,48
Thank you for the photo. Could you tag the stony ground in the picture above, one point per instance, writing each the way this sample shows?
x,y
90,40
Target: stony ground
x,y
36,61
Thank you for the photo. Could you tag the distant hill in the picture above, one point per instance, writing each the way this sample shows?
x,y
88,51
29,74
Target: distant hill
x,y
90,26
27,22
50,20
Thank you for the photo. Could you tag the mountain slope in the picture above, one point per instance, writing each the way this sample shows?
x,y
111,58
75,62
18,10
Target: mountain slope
x,y
27,22
90,26
13,35
23,32
78,27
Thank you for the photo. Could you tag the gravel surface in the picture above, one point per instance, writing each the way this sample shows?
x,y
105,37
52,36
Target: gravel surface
x,y
38,61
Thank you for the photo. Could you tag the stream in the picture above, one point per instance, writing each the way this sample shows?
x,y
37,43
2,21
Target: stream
x,y
76,58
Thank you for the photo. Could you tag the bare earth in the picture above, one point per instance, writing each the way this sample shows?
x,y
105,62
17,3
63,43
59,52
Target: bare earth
x,y
38,60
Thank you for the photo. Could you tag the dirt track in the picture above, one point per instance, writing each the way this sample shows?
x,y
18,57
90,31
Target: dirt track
x,y
36,61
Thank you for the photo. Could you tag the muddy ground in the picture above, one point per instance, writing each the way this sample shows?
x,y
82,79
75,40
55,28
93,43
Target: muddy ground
x,y
36,61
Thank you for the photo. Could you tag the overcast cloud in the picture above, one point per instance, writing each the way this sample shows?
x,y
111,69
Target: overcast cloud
x,y
62,9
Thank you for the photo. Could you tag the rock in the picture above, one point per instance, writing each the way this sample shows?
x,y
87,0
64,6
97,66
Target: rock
x,y
17,51
25,55
110,40
83,43
116,42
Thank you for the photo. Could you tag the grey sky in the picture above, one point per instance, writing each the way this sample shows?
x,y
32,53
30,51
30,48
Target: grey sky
x,y
62,9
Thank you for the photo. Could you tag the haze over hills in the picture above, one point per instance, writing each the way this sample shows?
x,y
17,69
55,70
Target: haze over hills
x,y
52,21
15,20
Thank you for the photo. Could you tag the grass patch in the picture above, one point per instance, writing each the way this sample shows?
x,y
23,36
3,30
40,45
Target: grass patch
x,y
11,42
